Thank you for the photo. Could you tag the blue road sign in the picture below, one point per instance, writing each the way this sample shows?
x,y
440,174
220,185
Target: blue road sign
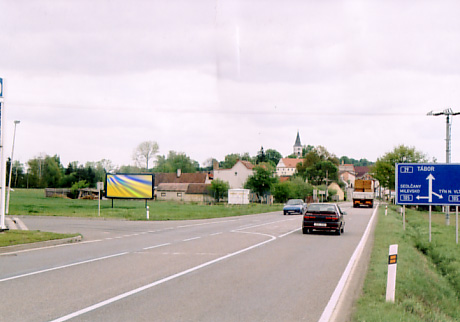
x,y
427,184
1,87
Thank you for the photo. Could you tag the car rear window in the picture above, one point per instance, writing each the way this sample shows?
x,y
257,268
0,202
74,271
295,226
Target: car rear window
x,y
321,209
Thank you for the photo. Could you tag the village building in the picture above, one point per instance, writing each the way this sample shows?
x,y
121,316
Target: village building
x,y
298,146
185,187
287,167
235,176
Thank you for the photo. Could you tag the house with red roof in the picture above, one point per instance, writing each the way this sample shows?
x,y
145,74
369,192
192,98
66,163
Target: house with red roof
x,y
287,167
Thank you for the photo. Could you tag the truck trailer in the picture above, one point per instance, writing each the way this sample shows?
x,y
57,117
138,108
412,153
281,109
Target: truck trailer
x,y
364,193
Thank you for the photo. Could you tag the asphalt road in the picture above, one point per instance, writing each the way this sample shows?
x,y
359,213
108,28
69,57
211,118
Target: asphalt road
x,y
250,268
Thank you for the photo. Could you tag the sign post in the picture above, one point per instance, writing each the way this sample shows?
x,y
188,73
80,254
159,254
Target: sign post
x,y
100,186
428,184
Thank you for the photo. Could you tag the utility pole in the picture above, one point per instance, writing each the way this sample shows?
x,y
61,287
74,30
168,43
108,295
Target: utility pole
x,y
448,113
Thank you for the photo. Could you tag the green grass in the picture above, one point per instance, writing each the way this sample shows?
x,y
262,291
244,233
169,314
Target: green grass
x,y
428,274
16,237
34,202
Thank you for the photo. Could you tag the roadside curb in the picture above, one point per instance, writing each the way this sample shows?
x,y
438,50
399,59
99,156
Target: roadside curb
x,y
48,243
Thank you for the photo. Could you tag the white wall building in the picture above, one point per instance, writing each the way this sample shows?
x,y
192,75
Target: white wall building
x,y
237,175
286,167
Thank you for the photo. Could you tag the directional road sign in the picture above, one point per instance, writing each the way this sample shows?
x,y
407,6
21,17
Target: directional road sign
x,y
427,184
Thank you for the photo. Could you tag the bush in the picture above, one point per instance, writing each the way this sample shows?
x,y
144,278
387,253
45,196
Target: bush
x,y
77,186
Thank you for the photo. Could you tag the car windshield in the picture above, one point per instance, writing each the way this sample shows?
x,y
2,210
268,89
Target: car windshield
x,y
295,202
321,208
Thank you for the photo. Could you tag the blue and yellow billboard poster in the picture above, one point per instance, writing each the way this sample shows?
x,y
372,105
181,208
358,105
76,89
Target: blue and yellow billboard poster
x,y
129,186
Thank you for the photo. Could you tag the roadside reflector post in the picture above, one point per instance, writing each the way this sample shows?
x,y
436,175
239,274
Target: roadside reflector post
x,y
148,216
386,210
391,277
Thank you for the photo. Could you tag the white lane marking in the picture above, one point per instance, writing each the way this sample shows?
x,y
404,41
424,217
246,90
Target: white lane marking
x,y
189,239
215,234
264,224
61,267
288,233
331,305
208,223
156,246
164,280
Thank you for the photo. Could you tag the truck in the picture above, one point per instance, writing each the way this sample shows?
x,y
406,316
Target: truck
x,y
363,195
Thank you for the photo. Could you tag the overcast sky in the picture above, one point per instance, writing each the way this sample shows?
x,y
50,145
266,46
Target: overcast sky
x,y
90,80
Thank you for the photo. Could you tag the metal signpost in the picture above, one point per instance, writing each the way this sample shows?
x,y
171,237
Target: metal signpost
x,y
428,184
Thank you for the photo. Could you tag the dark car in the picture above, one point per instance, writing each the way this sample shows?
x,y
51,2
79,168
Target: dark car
x,y
294,207
324,217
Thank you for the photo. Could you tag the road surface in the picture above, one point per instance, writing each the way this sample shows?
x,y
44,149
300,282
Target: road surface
x,y
250,268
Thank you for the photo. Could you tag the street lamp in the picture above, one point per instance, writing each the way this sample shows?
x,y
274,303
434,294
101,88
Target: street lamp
x,y
11,170
448,113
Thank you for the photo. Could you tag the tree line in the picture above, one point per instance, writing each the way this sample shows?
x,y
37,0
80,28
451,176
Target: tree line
x,y
318,167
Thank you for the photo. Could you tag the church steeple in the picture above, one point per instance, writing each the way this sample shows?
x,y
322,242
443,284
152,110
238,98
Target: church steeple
x,y
298,146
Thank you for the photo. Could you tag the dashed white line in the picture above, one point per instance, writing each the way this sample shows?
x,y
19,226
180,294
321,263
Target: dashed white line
x,y
156,246
189,239
166,279
61,267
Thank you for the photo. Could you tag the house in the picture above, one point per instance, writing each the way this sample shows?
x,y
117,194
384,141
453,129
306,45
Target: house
x,y
237,175
340,194
363,173
287,167
186,187
184,192
347,174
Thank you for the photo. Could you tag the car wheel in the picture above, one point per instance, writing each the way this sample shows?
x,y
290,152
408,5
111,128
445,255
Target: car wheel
x,y
305,230
342,230
338,232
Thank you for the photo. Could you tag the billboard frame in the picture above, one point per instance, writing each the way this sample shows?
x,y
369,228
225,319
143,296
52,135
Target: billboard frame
x,y
131,197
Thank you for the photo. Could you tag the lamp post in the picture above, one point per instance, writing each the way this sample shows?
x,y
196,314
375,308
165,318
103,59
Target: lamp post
x,y
448,113
11,170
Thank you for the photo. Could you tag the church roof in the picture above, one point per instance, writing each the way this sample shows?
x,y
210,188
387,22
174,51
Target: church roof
x,y
297,140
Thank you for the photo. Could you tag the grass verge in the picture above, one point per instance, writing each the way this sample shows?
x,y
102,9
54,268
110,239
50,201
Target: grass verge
x,y
428,274
34,202
17,237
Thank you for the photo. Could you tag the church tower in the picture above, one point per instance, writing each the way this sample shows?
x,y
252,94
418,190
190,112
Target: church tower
x,y
298,146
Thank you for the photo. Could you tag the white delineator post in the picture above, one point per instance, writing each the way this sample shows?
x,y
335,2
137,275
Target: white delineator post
x,y
148,215
386,210
391,277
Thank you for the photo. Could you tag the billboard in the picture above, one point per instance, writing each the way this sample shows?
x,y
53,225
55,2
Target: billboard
x,y
129,186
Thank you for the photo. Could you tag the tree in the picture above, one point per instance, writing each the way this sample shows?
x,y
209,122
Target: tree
x,y
219,189
262,181
261,157
273,156
384,168
175,161
311,161
293,189
231,159
144,153
319,172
